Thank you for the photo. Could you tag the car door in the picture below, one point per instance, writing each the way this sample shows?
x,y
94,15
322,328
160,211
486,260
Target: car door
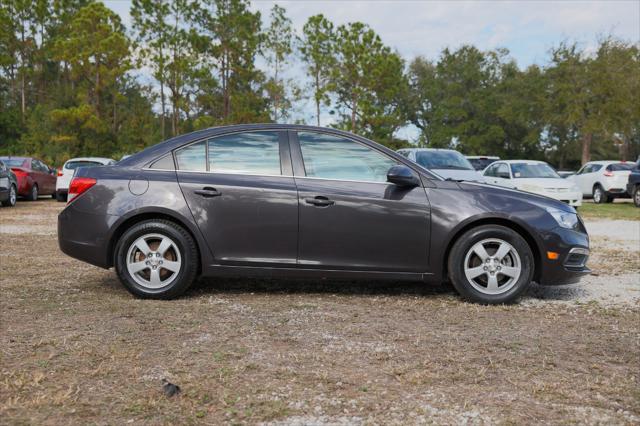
x,y
350,217
48,178
582,179
38,175
241,192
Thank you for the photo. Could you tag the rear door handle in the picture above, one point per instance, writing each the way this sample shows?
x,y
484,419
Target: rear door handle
x,y
208,192
319,201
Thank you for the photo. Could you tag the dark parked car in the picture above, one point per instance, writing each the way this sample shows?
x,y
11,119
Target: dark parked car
x,y
633,185
34,177
8,186
306,202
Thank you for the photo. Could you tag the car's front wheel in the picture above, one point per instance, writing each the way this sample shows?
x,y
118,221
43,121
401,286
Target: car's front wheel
x,y
156,259
491,264
636,196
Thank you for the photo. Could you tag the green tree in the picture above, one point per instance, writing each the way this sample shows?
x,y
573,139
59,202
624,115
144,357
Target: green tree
x,y
317,49
231,39
277,49
150,23
369,82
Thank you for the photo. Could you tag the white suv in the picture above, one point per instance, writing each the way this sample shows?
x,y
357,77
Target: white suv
x,y
66,172
603,180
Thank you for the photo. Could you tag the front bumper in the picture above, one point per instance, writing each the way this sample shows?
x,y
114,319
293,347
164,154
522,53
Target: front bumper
x,y
574,199
572,248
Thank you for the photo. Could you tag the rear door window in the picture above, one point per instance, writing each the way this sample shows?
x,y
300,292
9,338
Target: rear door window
x,y
256,153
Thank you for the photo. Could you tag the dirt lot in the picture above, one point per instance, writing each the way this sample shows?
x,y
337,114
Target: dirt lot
x,y
77,348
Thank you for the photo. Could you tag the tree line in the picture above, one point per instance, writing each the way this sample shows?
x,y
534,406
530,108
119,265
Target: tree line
x,y
74,81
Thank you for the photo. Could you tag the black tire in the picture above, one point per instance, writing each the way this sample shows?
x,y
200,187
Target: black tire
x,y
33,194
188,253
599,195
636,196
54,196
13,196
463,246
60,197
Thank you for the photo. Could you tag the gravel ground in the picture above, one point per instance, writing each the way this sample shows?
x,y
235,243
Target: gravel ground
x,y
75,348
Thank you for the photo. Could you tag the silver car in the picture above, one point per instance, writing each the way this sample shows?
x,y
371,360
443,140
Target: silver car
x,y
447,163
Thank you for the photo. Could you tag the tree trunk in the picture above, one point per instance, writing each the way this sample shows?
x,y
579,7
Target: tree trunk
x,y
164,107
354,101
586,147
317,99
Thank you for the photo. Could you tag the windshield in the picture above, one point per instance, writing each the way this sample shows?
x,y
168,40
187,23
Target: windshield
x,y
14,162
619,167
72,165
443,160
481,163
533,170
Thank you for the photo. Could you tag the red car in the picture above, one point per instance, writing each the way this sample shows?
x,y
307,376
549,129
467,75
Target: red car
x,y
34,177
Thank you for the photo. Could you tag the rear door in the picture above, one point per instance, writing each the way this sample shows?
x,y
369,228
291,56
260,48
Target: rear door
x,y
351,218
242,194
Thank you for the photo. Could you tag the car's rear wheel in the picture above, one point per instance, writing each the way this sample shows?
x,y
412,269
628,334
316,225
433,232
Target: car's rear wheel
x,y
600,196
13,197
156,259
491,264
33,194
636,196
61,197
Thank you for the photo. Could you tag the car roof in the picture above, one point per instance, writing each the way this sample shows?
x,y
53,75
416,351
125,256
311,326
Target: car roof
x,y
523,161
482,157
609,162
144,157
428,149
96,159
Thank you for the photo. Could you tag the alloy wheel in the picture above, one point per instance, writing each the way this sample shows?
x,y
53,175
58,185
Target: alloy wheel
x,y
597,195
12,196
153,261
492,266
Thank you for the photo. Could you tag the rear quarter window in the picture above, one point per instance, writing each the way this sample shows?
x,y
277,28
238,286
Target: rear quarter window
x,y
620,167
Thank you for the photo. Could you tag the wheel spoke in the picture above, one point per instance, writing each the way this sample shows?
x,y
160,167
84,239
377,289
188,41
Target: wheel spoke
x,y
154,279
510,271
171,266
137,267
142,246
480,251
502,251
165,244
492,283
472,273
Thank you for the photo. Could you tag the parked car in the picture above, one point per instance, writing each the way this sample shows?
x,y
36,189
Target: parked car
x,y
566,173
66,172
603,180
481,162
533,176
447,163
295,201
8,186
633,184
34,177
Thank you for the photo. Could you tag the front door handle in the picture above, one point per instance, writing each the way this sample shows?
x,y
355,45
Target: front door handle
x,y
319,201
208,192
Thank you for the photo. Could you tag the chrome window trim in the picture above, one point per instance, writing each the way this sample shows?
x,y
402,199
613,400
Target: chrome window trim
x,y
263,175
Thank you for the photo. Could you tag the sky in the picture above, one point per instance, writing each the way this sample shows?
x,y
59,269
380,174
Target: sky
x,y
528,29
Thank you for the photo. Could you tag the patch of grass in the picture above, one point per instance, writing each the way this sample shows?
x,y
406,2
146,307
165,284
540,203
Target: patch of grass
x,y
619,211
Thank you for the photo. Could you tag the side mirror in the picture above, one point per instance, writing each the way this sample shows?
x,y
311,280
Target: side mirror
x,y
402,175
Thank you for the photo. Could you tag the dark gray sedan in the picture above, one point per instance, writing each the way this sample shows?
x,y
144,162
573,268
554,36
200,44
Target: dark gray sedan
x,y
8,186
282,201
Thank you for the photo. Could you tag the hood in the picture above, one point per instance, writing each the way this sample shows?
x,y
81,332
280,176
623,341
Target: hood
x,y
534,199
471,175
556,183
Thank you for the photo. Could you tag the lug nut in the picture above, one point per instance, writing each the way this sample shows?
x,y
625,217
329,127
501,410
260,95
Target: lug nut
x,y
157,254
485,268
160,262
155,267
147,263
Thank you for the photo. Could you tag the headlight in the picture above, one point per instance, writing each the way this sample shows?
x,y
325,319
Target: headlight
x,y
564,219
